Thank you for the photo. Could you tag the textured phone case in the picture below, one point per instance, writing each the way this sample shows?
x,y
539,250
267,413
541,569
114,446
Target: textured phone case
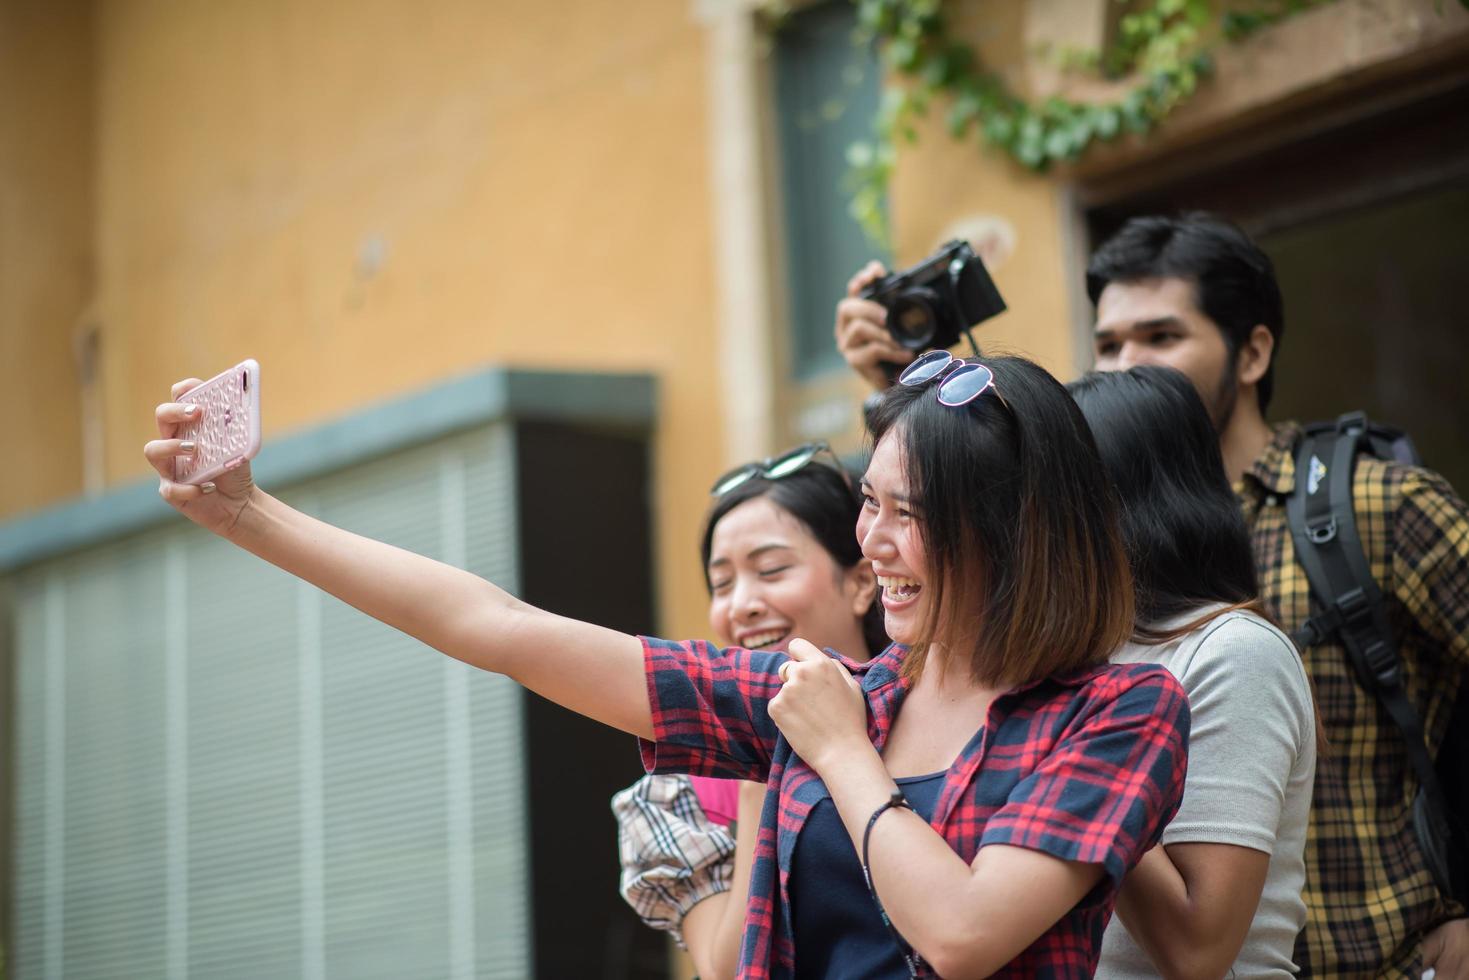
x,y
228,427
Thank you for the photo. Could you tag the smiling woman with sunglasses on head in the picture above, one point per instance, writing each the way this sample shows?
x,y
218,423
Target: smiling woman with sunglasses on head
x,y
1042,772
780,561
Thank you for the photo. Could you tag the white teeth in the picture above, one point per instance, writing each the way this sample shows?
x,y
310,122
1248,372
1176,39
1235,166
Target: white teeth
x,y
898,588
759,640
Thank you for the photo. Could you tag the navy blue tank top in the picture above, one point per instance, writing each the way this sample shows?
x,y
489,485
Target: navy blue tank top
x,y
838,931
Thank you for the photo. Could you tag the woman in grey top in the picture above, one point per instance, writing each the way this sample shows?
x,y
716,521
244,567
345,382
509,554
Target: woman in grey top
x,y
1222,894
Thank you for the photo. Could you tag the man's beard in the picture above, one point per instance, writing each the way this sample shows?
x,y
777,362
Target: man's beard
x,y
1221,406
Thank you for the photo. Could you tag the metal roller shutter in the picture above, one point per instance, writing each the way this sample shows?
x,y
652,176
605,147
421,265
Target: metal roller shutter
x,y
222,772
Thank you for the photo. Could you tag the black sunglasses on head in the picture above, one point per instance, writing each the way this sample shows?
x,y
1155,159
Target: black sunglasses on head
x,y
775,467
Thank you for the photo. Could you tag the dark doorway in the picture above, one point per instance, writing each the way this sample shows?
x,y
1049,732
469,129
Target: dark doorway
x,y
586,552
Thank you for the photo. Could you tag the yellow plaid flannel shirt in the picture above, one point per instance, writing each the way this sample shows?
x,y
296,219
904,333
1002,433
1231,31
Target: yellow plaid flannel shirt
x,y
1368,894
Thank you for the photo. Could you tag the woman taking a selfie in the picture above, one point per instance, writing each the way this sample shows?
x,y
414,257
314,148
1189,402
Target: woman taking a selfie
x,y
780,561
1223,893
964,804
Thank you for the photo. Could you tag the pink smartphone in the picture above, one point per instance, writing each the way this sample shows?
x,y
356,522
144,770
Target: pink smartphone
x,y
228,427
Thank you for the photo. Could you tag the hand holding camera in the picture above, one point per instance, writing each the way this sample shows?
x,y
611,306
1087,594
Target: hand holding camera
x,y
862,335
887,319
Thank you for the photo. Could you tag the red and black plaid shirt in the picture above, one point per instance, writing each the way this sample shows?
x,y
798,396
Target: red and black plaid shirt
x,y
1087,767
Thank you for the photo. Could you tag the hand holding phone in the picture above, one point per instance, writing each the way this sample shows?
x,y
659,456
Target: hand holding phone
x,y
227,426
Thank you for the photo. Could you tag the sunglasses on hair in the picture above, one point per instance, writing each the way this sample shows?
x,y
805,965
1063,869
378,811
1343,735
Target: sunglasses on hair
x,y
961,385
776,467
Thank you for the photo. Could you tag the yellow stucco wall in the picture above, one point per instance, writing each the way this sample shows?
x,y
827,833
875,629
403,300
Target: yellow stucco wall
x,y
369,196
46,271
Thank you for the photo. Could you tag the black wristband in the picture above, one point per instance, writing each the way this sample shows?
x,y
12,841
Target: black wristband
x,y
894,802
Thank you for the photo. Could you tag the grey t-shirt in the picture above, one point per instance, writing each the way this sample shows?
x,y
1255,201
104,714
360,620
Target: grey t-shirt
x,y
1251,766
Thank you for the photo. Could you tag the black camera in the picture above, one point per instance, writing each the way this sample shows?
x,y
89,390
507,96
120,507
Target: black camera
x,y
933,303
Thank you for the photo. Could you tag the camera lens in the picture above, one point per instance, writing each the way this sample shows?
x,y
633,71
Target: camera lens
x,y
913,317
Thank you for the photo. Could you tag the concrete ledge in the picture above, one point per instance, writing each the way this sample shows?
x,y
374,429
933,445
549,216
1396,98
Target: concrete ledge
x,y
620,401
1327,65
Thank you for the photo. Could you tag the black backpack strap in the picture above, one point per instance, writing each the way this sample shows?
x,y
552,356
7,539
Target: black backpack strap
x,y
1351,605
1329,548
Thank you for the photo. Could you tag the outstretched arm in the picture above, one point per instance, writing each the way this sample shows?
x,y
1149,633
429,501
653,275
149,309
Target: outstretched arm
x,y
593,671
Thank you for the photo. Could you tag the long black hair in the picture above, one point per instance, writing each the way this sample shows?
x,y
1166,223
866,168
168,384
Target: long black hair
x,y
1185,535
826,503
1028,576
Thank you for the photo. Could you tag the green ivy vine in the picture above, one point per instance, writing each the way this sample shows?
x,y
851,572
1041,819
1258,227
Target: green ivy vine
x,y
1164,46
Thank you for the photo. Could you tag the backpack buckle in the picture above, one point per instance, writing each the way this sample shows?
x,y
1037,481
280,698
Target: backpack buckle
x,y
1383,662
1354,609
1321,531
1352,423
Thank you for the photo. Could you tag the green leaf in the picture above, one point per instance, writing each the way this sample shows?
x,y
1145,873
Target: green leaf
x,y
874,16
939,70
999,129
1240,24
1134,113
962,115
1032,154
1107,122
1032,130
902,53
1058,144
961,58
1080,131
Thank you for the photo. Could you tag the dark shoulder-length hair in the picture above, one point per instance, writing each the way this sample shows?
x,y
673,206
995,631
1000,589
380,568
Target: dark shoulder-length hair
x,y
824,500
1027,575
1185,535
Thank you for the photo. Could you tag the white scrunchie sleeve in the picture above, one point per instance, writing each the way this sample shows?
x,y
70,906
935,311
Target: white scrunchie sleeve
x,y
673,856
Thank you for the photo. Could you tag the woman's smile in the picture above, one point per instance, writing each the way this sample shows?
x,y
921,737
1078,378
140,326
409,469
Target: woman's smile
x,y
766,638
898,591
770,580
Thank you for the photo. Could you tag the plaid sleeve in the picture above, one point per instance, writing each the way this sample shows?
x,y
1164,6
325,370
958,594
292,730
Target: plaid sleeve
x,y
1111,783
1430,559
711,709
673,855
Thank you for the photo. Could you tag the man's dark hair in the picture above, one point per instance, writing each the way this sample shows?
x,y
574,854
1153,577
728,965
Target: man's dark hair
x,y
1233,279
1181,521
1027,573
